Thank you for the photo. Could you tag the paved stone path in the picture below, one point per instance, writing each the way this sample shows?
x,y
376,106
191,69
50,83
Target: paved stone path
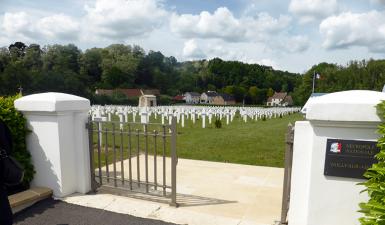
x,y
51,212
209,193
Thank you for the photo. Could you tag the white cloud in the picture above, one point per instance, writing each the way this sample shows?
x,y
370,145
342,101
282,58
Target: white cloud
x,y
355,29
310,10
192,51
221,24
292,44
16,24
264,26
209,49
269,62
116,20
26,27
58,26
226,53
121,19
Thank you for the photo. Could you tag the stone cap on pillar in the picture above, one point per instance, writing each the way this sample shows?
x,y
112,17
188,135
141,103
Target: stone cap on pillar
x,y
356,105
52,102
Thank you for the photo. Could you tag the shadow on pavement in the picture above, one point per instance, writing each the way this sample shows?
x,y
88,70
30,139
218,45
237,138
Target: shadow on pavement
x,y
51,212
183,200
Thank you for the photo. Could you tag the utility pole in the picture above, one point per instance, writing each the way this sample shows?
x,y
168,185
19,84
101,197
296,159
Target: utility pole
x,y
20,91
313,81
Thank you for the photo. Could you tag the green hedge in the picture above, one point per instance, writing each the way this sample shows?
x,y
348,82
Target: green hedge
x,y
374,209
117,99
17,124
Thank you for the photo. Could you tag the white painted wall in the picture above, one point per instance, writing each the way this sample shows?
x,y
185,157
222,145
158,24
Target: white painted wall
x,y
301,169
317,199
58,141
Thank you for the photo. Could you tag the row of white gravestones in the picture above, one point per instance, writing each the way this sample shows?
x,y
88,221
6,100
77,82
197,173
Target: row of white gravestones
x,y
183,113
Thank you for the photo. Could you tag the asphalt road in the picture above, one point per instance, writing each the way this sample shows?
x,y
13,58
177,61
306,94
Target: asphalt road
x,y
52,212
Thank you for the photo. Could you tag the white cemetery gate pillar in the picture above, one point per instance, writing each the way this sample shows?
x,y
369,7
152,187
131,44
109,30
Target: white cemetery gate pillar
x,y
331,150
58,141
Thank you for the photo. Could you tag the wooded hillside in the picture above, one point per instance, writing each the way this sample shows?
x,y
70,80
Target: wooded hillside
x,y
66,68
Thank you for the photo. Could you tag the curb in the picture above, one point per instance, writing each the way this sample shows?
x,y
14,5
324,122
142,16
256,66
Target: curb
x,y
27,198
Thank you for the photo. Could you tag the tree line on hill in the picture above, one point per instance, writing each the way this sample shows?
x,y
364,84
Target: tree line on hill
x,y
66,68
356,75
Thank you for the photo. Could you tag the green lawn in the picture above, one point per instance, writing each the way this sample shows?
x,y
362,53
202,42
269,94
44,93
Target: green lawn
x,y
253,143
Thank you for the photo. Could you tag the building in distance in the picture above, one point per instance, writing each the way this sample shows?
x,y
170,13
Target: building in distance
x,y
280,99
192,97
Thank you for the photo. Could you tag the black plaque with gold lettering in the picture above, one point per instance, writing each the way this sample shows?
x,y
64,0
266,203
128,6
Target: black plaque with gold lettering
x,y
349,158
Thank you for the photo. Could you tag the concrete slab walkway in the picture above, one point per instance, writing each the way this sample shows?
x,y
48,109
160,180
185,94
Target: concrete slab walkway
x,y
208,192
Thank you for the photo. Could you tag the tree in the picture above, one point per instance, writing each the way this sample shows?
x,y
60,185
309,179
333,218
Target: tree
x,y
119,66
239,93
32,58
253,93
17,50
91,65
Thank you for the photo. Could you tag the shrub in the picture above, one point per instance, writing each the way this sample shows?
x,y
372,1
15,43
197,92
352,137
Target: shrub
x,y
164,100
374,209
264,118
116,99
218,123
17,124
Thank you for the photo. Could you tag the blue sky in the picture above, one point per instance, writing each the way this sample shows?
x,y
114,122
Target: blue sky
x,y
290,35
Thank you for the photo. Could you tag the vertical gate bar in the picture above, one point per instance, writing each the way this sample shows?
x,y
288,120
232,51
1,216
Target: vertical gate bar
x,y
173,162
106,155
91,149
287,174
155,163
129,156
114,151
121,156
137,158
164,160
99,155
146,155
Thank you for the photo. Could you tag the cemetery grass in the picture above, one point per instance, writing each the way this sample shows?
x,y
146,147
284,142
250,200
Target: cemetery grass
x,y
253,142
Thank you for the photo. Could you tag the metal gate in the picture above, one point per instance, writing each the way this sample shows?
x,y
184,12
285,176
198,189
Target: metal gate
x,y
287,176
134,157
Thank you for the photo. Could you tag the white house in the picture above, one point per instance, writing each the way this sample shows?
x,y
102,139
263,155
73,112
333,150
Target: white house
x,y
192,97
280,99
208,97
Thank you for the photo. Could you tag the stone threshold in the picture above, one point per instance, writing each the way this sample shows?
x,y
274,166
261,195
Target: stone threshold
x,y
25,199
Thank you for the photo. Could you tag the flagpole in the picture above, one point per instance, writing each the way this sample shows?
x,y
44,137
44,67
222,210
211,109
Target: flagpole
x,y
313,81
